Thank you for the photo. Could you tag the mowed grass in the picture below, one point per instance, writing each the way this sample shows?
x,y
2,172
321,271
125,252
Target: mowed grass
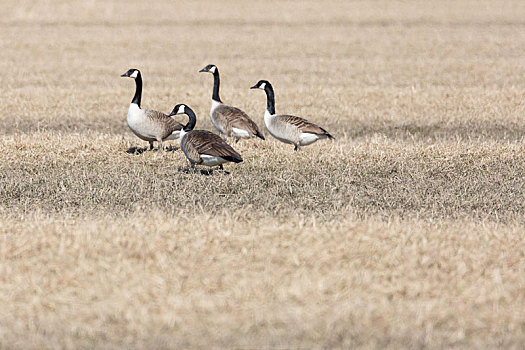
x,y
406,231
163,281
91,173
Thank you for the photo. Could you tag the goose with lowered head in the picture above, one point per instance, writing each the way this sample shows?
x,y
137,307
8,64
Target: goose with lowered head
x,y
202,146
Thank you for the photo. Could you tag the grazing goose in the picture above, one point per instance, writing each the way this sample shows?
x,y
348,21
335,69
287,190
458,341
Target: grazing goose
x,y
288,128
201,146
147,124
228,120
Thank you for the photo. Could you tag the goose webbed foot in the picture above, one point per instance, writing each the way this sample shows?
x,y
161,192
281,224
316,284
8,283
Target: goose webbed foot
x,y
297,147
224,172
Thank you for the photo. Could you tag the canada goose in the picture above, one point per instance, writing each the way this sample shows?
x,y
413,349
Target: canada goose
x,y
201,146
228,120
288,128
147,124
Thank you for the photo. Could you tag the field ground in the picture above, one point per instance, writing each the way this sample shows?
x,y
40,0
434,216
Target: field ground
x,y
407,231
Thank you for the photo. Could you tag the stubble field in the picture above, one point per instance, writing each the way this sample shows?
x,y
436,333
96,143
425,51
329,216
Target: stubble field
x,y
406,231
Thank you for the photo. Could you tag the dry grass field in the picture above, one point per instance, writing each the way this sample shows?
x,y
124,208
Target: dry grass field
x,y
408,231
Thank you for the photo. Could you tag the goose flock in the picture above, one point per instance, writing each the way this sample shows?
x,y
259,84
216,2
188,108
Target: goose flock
x,y
202,147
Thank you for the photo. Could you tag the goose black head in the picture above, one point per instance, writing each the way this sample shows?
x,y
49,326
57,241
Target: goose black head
x,y
270,98
131,73
261,84
178,109
185,109
210,68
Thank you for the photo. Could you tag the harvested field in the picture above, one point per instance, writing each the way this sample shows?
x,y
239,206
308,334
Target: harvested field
x,y
407,231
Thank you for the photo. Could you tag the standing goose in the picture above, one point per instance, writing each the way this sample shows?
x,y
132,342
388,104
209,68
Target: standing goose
x,y
201,146
147,124
228,120
288,128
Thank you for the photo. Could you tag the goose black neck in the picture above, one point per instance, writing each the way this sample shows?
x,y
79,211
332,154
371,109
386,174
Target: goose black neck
x,y
270,99
193,119
138,90
216,83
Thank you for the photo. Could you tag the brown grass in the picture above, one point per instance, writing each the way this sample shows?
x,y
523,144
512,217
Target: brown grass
x,y
407,231
166,281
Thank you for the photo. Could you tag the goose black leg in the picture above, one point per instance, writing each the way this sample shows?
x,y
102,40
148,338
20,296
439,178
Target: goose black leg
x,y
150,145
297,147
191,168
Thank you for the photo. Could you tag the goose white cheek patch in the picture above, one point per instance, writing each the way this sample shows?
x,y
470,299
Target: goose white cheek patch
x,y
212,69
263,85
181,110
134,75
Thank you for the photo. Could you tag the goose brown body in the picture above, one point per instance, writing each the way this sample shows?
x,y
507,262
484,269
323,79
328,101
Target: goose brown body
x,y
231,121
150,125
294,130
202,146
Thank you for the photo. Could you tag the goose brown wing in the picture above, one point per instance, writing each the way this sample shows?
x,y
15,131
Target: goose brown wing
x,y
167,123
173,125
303,124
235,117
189,149
205,142
155,115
